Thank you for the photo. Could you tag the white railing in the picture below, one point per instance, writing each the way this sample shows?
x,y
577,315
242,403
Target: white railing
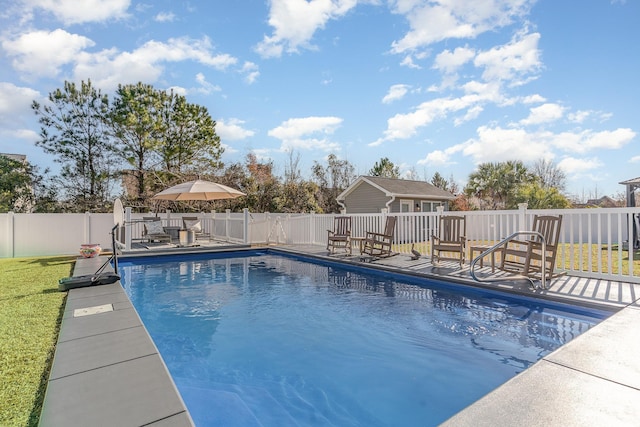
x,y
593,242
225,226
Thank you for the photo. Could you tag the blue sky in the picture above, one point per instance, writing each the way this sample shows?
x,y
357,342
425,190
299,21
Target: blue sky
x,y
435,86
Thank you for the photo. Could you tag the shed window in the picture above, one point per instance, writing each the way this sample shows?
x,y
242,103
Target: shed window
x,y
430,206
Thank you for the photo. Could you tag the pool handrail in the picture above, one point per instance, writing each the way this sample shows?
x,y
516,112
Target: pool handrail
x,y
504,242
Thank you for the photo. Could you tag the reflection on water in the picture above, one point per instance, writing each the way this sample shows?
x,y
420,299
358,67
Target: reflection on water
x,y
271,340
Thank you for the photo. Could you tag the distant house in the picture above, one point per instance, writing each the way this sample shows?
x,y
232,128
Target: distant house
x,y
371,194
17,157
602,202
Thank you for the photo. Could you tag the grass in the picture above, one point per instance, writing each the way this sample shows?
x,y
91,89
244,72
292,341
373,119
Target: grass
x,y
569,256
30,314
577,256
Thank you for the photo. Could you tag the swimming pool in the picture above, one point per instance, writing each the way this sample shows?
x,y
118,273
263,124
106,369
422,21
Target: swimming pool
x,y
258,339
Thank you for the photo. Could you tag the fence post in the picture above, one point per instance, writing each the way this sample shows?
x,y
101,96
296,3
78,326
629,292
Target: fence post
x,y
127,228
245,227
522,216
436,220
312,227
11,234
213,224
87,228
227,221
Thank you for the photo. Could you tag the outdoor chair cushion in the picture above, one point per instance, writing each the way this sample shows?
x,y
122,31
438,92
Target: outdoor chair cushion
x,y
193,225
154,227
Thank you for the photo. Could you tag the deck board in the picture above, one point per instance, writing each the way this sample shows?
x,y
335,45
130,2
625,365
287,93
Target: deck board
x,y
587,291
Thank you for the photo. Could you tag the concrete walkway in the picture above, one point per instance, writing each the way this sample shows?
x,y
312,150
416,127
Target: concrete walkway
x,y
106,370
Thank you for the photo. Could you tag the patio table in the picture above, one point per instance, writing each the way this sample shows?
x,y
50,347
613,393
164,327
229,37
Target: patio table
x,y
173,231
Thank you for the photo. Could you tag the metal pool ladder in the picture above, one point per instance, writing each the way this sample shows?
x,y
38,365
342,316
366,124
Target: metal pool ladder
x,y
503,242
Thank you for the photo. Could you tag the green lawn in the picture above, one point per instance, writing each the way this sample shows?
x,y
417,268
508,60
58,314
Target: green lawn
x,y
585,257
30,314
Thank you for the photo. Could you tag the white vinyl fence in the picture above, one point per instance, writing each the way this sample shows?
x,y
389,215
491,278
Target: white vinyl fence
x,y
594,242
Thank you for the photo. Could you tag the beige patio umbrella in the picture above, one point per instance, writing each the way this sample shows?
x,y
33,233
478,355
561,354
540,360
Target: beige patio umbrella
x,y
198,190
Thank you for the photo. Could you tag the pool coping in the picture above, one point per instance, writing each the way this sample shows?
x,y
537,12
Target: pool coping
x,y
107,370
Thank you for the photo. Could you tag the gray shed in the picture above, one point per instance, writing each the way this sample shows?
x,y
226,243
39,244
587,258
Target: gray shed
x,y
632,185
371,194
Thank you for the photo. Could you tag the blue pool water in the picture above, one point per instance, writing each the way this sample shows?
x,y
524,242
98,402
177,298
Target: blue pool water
x,y
258,339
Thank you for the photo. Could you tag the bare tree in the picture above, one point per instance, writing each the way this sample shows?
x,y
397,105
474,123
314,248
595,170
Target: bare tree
x,y
331,181
549,174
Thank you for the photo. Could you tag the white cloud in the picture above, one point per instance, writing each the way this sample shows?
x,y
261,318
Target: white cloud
x,y
589,140
572,165
395,92
27,135
441,157
582,116
533,99
449,62
434,21
495,144
232,130
635,159
298,133
407,61
205,87
250,70
579,116
514,62
18,125
15,100
403,126
486,91
165,17
178,90
108,68
43,53
544,114
448,81
295,21
77,12
471,114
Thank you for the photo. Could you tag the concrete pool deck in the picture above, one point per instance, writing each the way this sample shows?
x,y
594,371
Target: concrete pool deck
x,y
107,371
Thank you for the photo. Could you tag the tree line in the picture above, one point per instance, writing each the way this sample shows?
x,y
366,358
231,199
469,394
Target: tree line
x,y
146,140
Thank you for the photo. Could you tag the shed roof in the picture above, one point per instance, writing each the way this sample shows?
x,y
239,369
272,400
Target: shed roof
x,y
400,188
16,157
632,181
